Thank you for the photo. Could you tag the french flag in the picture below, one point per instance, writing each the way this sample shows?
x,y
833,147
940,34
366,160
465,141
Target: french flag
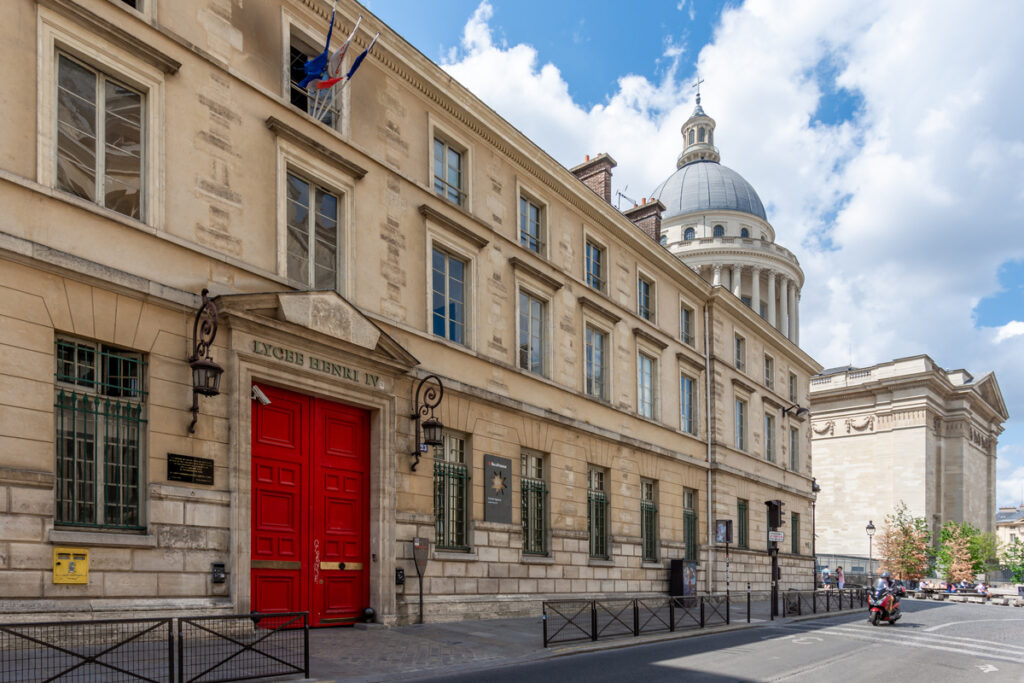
x,y
327,83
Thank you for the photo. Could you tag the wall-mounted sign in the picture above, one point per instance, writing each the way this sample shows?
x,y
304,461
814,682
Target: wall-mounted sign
x,y
723,531
497,489
306,360
776,536
189,469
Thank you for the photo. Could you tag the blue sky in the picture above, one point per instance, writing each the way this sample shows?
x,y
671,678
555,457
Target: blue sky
x,y
883,138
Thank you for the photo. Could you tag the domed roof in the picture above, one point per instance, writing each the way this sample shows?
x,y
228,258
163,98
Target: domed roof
x,y
707,186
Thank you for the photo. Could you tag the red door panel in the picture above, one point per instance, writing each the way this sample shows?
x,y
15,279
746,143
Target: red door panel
x,y
310,507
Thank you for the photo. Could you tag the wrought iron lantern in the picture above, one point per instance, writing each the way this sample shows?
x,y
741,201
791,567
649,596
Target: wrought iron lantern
x,y
430,432
205,372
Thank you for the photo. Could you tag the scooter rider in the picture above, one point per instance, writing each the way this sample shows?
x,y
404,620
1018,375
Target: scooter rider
x,y
884,583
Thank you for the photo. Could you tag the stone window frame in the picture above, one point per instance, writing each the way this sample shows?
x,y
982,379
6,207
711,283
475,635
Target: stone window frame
x,y
545,293
145,12
689,234
524,191
437,236
794,449
769,371
770,436
718,230
643,350
739,352
741,422
652,283
314,169
602,245
685,304
649,495
295,26
440,131
794,389
695,402
467,500
605,491
58,34
545,479
607,330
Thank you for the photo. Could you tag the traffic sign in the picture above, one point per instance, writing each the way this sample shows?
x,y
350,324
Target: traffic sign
x,y
776,536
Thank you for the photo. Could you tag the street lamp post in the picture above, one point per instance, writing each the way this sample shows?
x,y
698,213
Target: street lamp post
x,y
870,529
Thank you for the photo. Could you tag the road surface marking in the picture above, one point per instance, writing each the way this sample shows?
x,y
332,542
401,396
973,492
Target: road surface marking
x,y
969,621
807,640
903,632
987,668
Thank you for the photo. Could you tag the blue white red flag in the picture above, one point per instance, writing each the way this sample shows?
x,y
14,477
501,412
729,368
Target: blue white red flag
x,y
314,67
334,74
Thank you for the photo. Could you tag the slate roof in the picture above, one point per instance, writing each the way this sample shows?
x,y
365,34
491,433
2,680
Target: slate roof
x,y
707,186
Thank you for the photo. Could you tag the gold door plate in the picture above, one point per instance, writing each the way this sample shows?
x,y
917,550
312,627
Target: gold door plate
x,y
275,564
349,566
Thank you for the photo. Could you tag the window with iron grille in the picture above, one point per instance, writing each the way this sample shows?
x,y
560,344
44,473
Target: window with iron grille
x,y
769,372
595,266
312,234
794,449
645,298
448,172
742,524
597,513
98,413
688,404
648,521
690,523
596,362
530,225
451,494
533,491
686,325
769,438
794,532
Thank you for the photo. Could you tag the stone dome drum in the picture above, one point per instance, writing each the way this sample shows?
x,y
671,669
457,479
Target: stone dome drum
x,y
707,186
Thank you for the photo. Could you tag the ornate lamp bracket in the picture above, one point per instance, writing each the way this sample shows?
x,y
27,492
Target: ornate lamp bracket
x,y
205,372
427,397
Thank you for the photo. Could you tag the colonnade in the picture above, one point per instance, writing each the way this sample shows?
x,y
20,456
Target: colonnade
x,y
785,317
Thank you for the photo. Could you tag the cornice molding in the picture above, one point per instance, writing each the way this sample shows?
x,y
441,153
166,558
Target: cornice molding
x,y
534,272
462,231
692,362
641,333
282,129
743,385
114,33
594,307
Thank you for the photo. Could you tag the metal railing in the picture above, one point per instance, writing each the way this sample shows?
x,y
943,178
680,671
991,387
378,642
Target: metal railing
x,y
568,621
201,649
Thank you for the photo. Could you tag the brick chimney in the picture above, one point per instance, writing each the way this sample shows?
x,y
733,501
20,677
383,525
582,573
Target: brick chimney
x,y
596,173
647,216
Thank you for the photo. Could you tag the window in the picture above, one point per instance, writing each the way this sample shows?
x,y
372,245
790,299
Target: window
x,y
597,513
742,524
533,492
741,424
595,266
99,138
769,372
769,438
663,240
691,136
763,310
532,316
792,388
700,134
98,415
448,297
530,225
690,523
794,532
451,494
688,404
740,348
648,521
645,298
448,172
596,343
312,234
686,325
719,231
744,232
645,376
320,104
689,233
794,449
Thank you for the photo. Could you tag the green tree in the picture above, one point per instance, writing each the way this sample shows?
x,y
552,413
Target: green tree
x,y
983,548
1013,559
904,544
955,554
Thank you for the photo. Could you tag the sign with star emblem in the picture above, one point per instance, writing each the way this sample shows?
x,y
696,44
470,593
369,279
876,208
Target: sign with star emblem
x,y
497,489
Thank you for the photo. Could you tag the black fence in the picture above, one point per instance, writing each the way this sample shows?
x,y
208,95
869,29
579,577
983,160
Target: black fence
x,y
567,621
208,649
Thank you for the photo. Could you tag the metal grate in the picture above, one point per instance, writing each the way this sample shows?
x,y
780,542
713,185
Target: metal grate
x,y
102,650
649,531
239,647
534,497
451,486
597,523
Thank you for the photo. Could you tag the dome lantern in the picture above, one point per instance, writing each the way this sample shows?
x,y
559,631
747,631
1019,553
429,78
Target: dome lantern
x,y
698,138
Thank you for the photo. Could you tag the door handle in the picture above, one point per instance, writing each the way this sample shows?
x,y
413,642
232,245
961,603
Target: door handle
x,y
350,566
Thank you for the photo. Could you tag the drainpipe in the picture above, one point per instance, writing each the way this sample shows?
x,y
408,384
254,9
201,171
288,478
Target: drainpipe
x,y
707,411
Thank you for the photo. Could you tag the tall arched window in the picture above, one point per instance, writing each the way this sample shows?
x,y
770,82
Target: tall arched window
x,y
700,134
691,136
744,233
689,234
719,231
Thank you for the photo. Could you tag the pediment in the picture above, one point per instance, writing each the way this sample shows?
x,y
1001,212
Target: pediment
x,y
323,314
988,389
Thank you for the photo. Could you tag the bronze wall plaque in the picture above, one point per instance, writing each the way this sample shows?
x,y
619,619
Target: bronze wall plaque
x,y
189,469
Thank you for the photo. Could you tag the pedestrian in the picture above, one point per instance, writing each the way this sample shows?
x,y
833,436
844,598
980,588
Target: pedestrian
x,y
840,577
826,578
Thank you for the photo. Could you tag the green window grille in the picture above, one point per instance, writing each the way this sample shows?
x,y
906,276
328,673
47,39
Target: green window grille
x,y
99,428
649,530
451,503
742,540
794,532
690,533
534,497
597,523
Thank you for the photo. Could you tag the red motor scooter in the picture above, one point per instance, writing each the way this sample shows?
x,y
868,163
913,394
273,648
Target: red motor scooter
x,y
884,605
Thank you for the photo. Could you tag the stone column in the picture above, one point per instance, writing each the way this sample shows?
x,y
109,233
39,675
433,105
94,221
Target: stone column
x,y
772,319
755,290
791,325
717,277
737,278
796,318
784,304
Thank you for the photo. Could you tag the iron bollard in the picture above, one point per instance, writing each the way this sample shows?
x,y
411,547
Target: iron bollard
x,y
702,611
593,620
636,618
748,602
672,614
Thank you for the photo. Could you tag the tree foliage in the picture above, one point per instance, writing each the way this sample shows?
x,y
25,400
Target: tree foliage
x,y
982,548
1013,559
903,545
955,554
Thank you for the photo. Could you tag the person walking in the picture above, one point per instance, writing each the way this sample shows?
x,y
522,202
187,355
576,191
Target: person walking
x,y
826,578
840,577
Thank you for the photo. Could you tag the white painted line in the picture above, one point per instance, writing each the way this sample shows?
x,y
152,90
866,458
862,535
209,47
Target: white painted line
x,y
903,631
969,621
997,651
987,668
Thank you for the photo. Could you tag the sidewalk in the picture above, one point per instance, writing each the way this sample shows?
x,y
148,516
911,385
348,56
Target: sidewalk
x,y
364,655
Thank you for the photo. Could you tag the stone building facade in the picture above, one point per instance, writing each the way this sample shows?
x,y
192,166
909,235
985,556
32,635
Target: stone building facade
x,y
1010,525
909,431
353,248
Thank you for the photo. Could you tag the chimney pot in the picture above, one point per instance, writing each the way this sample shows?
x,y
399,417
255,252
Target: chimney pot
x,y
586,157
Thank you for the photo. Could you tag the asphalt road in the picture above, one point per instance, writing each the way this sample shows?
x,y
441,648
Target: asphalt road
x,y
933,642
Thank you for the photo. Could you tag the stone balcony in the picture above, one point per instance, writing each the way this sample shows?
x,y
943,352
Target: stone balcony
x,y
713,245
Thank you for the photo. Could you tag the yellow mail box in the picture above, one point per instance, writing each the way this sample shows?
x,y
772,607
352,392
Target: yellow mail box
x,y
70,565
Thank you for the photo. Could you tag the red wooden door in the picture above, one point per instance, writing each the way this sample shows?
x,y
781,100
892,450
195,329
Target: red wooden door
x,y
310,507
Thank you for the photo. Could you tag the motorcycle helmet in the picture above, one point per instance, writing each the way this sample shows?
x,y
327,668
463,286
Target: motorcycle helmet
x,y
885,575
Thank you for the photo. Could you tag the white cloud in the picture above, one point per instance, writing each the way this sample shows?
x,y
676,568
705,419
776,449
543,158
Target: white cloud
x,y
900,217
